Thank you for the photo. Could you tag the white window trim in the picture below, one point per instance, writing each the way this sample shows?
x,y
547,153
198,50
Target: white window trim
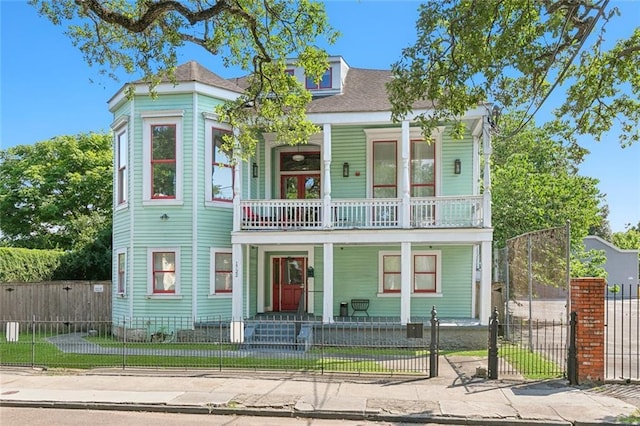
x,y
158,118
126,272
395,134
211,122
120,126
212,272
123,132
150,293
436,253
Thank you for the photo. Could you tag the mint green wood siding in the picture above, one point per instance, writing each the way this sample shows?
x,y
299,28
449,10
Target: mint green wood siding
x,y
348,144
453,149
356,276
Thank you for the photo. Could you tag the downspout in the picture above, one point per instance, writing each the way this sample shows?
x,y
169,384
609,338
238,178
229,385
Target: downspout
x,y
132,204
194,210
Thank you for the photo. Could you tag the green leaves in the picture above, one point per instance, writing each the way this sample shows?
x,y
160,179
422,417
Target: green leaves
x,y
46,187
535,184
257,36
513,53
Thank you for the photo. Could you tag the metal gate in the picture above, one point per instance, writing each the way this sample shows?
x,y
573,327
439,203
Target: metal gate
x,y
622,332
534,268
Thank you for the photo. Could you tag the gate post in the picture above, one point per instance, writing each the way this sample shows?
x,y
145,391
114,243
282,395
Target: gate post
x,y
434,346
493,345
572,362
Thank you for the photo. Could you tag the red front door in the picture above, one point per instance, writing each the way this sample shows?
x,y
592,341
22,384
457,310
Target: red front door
x,y
289,278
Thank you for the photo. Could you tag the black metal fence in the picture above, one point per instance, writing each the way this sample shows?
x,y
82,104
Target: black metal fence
x,y
622,332
532,349
354,346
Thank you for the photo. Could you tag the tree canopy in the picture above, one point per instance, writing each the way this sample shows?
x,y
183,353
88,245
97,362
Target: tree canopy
x,y
56,193
254,35
514,53
536,185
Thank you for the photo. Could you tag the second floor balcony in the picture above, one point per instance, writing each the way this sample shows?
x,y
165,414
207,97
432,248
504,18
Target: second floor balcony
x,y
373,213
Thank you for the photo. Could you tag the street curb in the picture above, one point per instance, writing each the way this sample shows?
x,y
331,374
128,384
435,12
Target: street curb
x,y
261,412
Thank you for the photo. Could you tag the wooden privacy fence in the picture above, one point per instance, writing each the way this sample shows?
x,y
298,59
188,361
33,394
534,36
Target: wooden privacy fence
x,y
56,300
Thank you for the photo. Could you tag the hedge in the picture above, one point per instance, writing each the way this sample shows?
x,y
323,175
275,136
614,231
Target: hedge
x,y
28,265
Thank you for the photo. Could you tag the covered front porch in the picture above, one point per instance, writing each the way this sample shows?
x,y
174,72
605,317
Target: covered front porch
x,y
314,274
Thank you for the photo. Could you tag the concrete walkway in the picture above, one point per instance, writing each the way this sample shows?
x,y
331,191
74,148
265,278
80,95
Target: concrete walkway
x,y
455,397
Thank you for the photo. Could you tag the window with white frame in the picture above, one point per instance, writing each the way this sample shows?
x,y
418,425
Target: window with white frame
x,y
163,161
425,272
221,271
121,275
162,157
423,168
219,168
385,169
222,170
324,83
164,271
122,148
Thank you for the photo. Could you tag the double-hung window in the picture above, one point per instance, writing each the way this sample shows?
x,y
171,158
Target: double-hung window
x,y
222,170
121,277
221,271
219,165
164,271
423,169
162,157
122,147
385,169
163,161
424,272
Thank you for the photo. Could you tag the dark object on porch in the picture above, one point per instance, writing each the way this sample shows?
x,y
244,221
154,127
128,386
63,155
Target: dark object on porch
x,y
360,305
344,309
414,330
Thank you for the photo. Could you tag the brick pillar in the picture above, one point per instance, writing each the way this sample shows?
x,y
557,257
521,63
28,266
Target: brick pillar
x,y
587,300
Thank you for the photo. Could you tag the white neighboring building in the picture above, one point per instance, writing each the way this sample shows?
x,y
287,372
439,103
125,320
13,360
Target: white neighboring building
x,y
621,265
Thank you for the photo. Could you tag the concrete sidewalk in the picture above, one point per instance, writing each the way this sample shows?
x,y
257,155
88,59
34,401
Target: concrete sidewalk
x,y
455,397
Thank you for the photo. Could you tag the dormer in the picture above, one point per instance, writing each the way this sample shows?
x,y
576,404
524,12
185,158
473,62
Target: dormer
x,y
332,81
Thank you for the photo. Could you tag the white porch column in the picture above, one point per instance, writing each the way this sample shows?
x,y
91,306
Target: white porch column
x,y
327,219
485,283
405,283
327,299
486,149
405,182
237,185
237,323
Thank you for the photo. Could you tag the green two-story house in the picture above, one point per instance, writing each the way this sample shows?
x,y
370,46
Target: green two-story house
x,y
367,209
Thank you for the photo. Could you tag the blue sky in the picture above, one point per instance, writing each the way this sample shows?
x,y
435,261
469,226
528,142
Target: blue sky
x,y
47,89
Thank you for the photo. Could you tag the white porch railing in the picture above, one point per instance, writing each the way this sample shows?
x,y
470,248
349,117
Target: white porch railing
x,y
370,213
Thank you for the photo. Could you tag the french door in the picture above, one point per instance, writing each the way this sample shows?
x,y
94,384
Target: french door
x,y
289,279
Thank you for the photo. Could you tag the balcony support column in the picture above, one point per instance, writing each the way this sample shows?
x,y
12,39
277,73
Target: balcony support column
x,y
405,283
237,323
327,300
327,219
237,184
485,283
486,150
405,183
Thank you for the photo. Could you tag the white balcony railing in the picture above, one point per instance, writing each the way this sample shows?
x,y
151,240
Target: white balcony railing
x,y
378,213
